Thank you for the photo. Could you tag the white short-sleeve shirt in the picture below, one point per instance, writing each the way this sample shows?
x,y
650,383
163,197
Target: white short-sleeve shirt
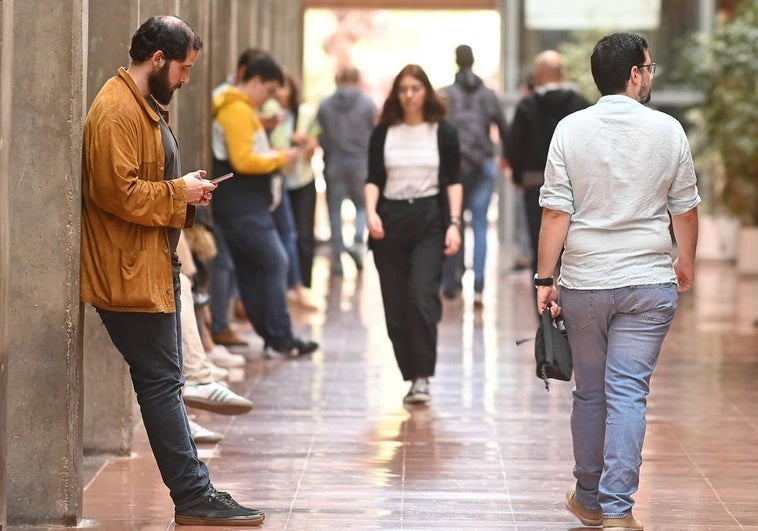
x,y
618,168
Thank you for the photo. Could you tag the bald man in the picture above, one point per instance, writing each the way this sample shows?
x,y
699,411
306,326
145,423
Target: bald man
x,y
533,124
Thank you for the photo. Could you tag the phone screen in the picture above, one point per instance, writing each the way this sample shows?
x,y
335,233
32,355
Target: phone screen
x,y
222,178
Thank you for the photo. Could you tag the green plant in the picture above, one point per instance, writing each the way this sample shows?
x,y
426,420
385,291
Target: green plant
x,y
576,61
725,66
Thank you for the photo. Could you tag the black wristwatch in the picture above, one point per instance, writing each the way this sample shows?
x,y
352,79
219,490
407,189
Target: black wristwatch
x,y
542,281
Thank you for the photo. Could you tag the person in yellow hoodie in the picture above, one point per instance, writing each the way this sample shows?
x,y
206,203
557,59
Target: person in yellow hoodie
x,y
243,205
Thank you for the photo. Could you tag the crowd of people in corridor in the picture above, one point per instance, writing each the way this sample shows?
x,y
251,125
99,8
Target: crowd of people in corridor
x,y
166,255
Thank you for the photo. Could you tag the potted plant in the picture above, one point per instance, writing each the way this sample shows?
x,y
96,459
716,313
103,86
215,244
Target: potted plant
x,y
725,67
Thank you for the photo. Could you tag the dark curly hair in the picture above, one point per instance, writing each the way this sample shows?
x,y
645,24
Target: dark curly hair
x,y
169,34
613,58
434,108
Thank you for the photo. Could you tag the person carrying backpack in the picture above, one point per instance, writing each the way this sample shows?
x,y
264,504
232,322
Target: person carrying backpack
x,y
472,109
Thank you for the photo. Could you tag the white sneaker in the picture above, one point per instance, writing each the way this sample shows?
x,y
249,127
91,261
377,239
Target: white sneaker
x,y
216,398
203,435
223,358
419,392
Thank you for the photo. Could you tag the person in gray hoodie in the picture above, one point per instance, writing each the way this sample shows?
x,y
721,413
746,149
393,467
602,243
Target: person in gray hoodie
x,y
346,118
473,109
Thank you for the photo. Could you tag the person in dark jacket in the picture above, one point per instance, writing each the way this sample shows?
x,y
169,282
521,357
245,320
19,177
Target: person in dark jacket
x,y
413,209
533,124
346,119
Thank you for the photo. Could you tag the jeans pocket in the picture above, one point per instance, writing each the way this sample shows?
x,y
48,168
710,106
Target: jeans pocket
x,y
578,307
658,303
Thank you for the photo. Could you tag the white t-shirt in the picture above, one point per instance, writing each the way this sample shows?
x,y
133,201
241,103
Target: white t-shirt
x,y
412,161
618,168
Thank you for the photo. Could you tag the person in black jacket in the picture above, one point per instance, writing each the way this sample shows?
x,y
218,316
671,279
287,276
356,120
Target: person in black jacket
x,y
413,210
533,124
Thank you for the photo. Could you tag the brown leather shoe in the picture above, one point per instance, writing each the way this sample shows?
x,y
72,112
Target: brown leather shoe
x,y
627,523
586,517
229,338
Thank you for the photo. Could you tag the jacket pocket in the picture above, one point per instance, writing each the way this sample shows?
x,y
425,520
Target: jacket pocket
x,y
131,288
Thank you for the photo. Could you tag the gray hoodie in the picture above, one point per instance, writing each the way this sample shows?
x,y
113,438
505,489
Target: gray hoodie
x,y
346,119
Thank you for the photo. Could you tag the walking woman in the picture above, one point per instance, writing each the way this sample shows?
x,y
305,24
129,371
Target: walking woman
x,y
413,210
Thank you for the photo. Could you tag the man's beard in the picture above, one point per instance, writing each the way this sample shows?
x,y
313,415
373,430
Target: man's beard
x,y
159,85
644,97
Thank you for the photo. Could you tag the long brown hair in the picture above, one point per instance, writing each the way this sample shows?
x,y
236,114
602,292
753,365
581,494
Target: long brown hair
x,y
293,102
434,108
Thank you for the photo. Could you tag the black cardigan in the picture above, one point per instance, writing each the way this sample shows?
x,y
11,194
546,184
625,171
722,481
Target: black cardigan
x,y
450,161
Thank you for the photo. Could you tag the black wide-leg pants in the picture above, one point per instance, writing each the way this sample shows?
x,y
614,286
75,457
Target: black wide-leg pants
x,y
409,261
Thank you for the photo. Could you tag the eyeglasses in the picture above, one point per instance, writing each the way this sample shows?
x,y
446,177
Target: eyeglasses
x,y
649,66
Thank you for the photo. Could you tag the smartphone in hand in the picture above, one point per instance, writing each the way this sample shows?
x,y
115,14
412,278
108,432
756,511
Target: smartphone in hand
x,y
222,178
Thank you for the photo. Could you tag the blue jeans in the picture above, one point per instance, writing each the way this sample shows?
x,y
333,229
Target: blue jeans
x,y
284,219
615,338
261,264
345,182
151,345
223,283
476,198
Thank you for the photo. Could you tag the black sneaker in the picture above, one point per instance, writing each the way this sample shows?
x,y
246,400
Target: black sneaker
x,y
219,509
300,347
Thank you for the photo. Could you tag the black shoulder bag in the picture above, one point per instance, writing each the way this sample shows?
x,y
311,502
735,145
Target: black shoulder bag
x,y
551,350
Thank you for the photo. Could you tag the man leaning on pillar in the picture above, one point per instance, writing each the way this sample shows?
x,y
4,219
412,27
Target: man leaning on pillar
x,y
135,203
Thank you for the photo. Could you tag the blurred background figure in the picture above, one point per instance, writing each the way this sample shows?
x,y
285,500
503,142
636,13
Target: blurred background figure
x,y
534,121
295,216
413,208
473,109
346,119
243,205
223,284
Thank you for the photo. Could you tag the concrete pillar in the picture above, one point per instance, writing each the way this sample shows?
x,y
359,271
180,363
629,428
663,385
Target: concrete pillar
x,y
44,422
286,24
110,410
221,50
108,396
246,34
6,92
192,121
510,36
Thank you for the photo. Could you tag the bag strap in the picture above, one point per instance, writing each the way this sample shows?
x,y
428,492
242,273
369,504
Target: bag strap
x,y
547,322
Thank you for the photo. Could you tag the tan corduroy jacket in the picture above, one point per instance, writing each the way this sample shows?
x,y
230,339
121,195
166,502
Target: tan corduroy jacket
x,y
126,260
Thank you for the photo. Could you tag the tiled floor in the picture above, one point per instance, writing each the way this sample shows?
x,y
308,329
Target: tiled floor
x,y
329,444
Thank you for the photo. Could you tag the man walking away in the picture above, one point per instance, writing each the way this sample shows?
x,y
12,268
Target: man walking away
x,y
346,118
533,124
472,109
618,174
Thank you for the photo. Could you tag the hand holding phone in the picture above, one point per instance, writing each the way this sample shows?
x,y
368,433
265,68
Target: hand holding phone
x,y
222,178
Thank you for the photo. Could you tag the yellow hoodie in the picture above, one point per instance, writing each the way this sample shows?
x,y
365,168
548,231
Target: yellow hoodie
x,y
239,137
